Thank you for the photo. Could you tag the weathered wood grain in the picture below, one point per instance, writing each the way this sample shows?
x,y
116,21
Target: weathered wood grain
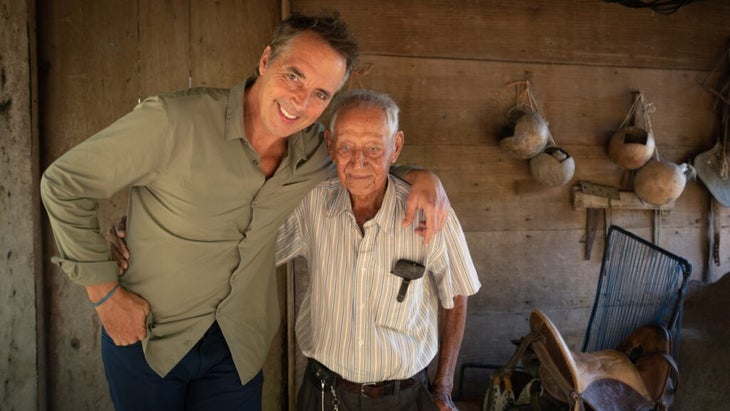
x,y
592,33
227,39
448,65
164,46
21,297
90,58
465,102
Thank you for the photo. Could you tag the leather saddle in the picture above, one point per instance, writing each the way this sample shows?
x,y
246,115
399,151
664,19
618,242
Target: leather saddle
x,y
639,375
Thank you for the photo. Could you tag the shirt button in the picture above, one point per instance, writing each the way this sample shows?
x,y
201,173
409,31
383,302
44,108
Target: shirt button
x,y
360,343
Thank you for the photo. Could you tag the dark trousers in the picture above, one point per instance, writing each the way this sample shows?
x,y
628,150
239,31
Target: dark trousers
x,y
205,379
413,398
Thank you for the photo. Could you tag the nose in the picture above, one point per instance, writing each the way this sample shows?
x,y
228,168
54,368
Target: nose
x,y
358,157
300,99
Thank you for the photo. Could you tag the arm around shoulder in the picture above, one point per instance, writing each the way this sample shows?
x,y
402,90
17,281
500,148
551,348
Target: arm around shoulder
x,y
427,194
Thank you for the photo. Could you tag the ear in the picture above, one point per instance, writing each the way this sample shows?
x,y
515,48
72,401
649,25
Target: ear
x,y
398,141
264,60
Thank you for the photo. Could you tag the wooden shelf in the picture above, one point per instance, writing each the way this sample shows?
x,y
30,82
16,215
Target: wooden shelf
x,y
627,201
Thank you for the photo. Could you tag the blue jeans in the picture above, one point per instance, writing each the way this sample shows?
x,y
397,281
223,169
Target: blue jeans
x,y
205,379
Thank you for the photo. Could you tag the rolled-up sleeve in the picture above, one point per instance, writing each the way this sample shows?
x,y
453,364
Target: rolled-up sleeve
x,y
128,152
451,264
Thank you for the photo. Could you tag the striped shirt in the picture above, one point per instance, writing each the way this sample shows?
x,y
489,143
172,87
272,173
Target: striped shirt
x,y
349,319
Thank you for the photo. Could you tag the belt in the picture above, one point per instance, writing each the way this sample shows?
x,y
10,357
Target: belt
x,y
375,389
368,389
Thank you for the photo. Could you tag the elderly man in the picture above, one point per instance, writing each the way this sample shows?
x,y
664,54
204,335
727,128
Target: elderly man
x,y
367,346
212,175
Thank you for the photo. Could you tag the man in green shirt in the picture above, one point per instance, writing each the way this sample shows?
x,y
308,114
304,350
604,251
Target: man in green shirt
x,y
212,173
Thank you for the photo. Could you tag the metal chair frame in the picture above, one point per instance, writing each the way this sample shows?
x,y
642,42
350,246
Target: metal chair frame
x,y
640,283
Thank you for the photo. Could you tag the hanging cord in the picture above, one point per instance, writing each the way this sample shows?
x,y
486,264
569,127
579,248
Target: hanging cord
x,y
526,101
525,98
646,108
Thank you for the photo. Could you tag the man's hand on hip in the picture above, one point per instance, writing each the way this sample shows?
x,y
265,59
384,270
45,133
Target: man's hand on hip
x,y
123,314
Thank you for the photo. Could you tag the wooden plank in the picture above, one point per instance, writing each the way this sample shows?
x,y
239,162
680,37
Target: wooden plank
x,y
490,191
521,269
164,46
89,54
716,270
448,70
21,296
465,102
550,31
228,37
627,200
72,34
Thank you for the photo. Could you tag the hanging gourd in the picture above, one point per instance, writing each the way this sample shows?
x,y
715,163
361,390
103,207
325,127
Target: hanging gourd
x,y
632,145
550,165
657,181
527,132
660,182
553,167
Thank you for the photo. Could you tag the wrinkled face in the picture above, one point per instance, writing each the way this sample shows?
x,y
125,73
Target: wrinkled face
x,y
297,85
363,147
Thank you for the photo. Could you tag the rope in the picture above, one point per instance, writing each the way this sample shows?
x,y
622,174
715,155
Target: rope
x,y
526,101
525,97
646,109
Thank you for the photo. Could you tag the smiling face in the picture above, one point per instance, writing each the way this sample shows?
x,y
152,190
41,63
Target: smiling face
x,y
363,146
295,86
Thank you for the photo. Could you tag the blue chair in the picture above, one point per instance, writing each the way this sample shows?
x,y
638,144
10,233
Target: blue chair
x,y
639,284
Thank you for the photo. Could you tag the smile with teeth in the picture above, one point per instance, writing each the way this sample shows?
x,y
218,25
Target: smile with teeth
x,y
286,113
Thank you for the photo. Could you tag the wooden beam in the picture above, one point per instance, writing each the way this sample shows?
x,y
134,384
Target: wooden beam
x,y
627,201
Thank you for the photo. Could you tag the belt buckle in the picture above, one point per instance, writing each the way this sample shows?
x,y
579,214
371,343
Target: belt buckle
x,y
364,386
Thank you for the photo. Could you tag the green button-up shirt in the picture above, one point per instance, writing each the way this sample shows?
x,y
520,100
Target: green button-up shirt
x,y
202,218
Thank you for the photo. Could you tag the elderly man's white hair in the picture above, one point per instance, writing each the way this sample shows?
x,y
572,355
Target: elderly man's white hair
x,y
362,99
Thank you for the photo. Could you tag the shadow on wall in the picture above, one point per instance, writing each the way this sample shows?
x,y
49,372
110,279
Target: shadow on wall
x,y
704,357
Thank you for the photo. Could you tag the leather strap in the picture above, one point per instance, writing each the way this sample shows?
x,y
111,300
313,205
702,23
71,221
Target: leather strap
x,y
367,390
375,390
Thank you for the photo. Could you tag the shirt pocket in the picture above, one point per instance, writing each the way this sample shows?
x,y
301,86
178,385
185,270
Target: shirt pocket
x,y
399,316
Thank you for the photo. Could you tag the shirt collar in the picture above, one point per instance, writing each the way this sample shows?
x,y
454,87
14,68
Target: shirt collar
x,y
386,216
234,112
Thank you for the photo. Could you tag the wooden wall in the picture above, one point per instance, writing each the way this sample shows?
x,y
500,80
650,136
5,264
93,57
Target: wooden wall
x,y
449,63
97,59
20,256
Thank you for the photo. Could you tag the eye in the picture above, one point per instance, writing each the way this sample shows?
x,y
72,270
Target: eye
x,y
292,76
322,96
374,151
345,149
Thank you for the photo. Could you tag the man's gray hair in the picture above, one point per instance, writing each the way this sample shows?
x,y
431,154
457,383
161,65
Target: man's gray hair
x,y
364,99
